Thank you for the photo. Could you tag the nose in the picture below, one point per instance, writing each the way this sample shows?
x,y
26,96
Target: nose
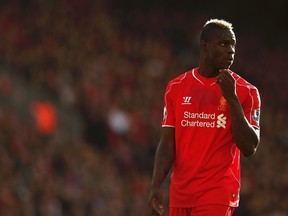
x,y
231,49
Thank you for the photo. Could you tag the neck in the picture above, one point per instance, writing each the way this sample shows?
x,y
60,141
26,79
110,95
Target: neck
x,y
208,72
206,68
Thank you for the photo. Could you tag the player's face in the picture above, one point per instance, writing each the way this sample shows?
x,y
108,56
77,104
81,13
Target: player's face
x,y
221,49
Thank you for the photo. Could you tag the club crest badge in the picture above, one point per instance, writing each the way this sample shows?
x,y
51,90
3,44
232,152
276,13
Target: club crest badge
x,y
223,104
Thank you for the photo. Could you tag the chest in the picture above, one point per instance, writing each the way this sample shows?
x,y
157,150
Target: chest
x,y
197,98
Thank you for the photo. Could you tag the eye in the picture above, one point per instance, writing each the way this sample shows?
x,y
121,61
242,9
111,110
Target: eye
x,y
223,44
227,43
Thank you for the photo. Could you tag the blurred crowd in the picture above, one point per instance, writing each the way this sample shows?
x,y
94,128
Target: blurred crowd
x,y
81,99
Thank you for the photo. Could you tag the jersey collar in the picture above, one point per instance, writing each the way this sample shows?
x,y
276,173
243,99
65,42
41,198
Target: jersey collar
x,y
203,80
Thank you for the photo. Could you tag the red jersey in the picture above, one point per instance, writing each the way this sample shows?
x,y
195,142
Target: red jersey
x,y
206,169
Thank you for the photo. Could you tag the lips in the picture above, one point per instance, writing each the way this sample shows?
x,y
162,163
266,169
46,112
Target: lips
x,y
229,60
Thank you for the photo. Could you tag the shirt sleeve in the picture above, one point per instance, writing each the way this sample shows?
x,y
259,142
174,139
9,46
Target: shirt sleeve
x,y
252,107
168,111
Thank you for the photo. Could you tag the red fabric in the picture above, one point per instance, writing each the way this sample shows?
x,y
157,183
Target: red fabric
x,y
207,210
207,164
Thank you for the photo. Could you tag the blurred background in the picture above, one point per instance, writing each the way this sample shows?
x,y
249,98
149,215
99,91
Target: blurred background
x,y
81,99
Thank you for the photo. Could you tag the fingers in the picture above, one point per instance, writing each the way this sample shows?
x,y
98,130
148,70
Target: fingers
x,y
156,202
158,212
227,84
157,208
223,79
225,75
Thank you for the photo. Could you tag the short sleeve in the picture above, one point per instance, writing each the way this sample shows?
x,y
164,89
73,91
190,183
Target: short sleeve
x,y
169,110
252,107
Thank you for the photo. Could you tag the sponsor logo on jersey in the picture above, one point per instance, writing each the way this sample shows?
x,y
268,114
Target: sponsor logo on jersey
x,y
221,121
207,120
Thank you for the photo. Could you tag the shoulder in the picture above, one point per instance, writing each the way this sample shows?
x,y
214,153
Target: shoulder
x,y
241,82
177,81
176,84
245,89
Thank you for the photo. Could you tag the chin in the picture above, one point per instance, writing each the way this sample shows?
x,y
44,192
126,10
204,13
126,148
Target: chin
x,y
226,66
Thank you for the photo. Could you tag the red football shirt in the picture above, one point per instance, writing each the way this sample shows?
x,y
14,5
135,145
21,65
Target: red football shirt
x,y
207,163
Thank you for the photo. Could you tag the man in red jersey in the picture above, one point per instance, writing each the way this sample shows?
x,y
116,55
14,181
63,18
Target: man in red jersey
x,y
211,115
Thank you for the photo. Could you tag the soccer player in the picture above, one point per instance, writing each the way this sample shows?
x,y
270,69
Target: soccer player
x,y
211,115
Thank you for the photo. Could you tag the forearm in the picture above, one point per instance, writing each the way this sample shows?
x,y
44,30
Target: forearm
x,y
163,163
245,136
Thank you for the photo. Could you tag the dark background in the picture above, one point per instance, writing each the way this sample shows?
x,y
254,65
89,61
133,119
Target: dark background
x,y
81,99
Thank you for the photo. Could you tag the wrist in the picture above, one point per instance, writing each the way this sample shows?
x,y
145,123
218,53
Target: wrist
x,y
233,99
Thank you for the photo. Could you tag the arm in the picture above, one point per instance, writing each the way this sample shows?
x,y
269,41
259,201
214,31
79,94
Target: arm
x,y
246,137
163,163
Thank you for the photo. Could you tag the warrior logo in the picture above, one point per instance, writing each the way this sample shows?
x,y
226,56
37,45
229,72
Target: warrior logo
x,y
186,100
